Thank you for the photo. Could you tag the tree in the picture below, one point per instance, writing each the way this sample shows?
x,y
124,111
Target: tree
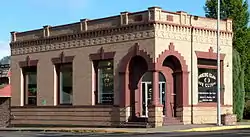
x,y
238,86
237,10
5,60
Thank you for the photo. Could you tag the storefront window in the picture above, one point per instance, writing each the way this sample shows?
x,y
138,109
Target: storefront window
x,y
105,82
65,84
207,83
30,85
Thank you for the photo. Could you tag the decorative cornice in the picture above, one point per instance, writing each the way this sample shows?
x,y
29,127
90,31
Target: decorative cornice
x,y
119,34
77,43
184,33
84,35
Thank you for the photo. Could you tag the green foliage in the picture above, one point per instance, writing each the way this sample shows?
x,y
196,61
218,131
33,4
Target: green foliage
x,y
5,60
237,10
238,87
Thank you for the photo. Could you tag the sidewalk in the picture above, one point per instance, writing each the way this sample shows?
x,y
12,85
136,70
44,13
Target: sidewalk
x,y
174,128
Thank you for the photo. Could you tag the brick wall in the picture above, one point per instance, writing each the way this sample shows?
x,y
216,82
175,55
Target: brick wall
x,y
61,116
4,112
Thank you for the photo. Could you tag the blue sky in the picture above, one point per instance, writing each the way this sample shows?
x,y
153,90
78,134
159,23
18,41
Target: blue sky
x,y
22,15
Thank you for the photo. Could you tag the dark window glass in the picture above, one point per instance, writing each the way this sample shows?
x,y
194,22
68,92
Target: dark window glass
x,y
207,62
65,80
105,82
207,83
30,85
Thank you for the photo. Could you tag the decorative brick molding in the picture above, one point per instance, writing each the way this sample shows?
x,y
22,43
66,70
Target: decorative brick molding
x,y
183,70
212,56
101,55
135,51
124,71
172,52
62,59
28,62
88,38
209,55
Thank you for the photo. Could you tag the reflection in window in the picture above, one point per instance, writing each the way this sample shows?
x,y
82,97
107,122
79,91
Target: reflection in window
x,y
64,73
30,85
105,82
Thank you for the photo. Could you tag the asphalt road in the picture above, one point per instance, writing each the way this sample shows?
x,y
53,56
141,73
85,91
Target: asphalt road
x,y
228,133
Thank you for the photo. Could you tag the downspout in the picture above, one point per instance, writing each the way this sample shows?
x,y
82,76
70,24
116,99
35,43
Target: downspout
x,y
192,87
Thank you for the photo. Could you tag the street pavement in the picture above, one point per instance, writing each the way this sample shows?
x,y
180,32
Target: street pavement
x,y
225,133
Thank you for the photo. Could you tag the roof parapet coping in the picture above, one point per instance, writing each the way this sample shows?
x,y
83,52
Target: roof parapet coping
x,y
124,17
154,7
46,31
84,24
13,36
154,13
124,12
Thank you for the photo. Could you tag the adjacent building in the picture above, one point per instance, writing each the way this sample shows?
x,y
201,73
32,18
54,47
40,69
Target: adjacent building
x,y
5,95
150,67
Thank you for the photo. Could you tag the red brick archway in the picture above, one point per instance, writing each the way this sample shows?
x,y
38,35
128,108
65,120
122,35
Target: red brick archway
x,y
182,70
123,68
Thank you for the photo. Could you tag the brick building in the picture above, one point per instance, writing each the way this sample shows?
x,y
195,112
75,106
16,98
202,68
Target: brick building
x,y
149,67
5,95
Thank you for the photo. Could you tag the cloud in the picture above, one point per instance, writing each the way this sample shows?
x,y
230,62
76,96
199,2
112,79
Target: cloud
x,y
4,49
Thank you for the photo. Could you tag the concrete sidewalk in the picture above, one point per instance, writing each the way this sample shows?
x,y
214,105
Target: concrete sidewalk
x,y
173,128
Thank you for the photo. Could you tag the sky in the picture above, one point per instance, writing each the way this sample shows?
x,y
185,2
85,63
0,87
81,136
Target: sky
x,y
23,15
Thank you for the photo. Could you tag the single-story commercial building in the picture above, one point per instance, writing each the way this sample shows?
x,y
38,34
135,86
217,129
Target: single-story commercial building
x,y
150,67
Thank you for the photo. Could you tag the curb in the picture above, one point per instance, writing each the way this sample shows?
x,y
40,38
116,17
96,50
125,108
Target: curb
x,y
66,130
219,128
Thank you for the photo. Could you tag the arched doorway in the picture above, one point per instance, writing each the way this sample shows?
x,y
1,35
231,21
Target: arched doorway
x,y
173,65
137,67
146,92
172,68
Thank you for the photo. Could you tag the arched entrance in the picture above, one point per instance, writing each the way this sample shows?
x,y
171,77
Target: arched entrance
x,y
174,67
137,67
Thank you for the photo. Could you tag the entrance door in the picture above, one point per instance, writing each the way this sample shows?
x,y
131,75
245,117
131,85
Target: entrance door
x,y
147,95
162,90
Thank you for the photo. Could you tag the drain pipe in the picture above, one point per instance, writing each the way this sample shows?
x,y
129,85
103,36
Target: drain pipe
x,y
192,87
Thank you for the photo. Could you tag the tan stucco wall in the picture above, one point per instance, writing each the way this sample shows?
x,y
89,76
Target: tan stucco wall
x,y
203,115
202,41
82,72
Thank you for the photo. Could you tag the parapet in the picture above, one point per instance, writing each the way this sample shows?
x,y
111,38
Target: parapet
x,y
153,14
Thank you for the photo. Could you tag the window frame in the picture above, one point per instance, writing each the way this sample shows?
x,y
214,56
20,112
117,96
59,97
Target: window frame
x,y
97,80
205,63
59,83
25,76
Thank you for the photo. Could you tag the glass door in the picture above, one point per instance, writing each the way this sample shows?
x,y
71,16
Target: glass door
x,y
146,97
162,90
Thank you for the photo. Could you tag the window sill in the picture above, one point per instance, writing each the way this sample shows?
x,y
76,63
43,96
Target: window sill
x,y
65,105
100,104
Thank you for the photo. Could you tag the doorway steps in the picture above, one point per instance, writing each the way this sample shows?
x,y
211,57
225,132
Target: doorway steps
x,y
171,121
